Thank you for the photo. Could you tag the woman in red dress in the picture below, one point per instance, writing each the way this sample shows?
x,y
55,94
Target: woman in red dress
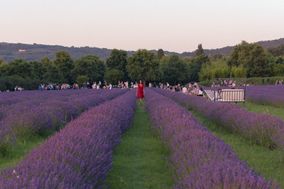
x,y
140,90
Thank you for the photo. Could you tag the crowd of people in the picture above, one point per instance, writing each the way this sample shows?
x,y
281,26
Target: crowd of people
x,y
279,82
66,86
190,88
224,83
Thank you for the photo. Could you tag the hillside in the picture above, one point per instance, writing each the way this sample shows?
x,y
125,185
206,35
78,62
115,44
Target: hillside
x,y
11,51
227,50
34,52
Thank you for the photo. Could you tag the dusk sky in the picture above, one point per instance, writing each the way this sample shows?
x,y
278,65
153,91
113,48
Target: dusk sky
x,y
175,25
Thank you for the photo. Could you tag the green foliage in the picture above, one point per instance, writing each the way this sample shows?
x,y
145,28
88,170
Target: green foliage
x,y
238,72
199,51
214,69
114,75
277,51
51,72
279,60
143,65
197,62
278,69
141,160
118,61
9,82
11,156
174,70
1,62
82,79
20,68
64,63
258,64
160,54
253,58
266,162
90,66
38,71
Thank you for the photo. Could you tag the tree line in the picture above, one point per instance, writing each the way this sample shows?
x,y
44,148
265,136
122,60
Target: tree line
x,y
246,60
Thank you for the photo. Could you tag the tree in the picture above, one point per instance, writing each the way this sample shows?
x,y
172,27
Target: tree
x,y
253,58
214,69
160,54
240,54
198,60
118,61
143,65
113,75
277,51
199,51
38,71
64,64
174,70
258,64
51,72
90,66
82,79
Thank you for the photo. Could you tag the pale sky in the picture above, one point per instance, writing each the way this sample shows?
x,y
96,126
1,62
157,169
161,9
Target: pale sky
x,y
175,25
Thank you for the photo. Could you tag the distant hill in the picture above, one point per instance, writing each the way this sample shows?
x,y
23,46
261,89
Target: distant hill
x,y
11,51
227,50
35,52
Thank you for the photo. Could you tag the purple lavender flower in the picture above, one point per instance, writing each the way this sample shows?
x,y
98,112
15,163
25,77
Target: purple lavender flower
x,y
199,158
257,127
78,156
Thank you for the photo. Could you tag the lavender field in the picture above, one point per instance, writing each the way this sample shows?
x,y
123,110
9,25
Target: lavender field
x,y
200,159
88,133
267,95
29,113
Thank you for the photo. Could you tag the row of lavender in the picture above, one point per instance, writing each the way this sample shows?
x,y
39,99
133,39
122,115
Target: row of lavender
x,y
260,128
11,98
78,156
200,159
47,113
270,95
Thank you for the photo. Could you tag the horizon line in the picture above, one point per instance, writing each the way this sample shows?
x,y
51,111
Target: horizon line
x,y
181,52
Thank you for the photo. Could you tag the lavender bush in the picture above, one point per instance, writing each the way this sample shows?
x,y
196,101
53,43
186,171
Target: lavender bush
x,y
80,155
259,128
49,112
270,95
200,159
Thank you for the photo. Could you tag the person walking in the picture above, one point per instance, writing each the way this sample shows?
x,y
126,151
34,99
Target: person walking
x,y
140,91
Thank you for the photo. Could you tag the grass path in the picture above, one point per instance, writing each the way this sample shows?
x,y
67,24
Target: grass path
x,y
259,108
268,163
141,159
19,150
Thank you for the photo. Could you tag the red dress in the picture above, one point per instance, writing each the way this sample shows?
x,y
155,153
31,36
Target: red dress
x,y
140,91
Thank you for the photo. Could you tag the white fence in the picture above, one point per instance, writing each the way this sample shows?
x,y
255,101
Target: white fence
x,y
226,95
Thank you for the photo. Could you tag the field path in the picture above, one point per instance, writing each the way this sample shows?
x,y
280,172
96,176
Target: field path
x,y
141,159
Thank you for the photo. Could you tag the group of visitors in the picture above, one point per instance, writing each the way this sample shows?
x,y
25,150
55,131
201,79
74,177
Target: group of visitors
x,y
17,88
52,86
66,86
101,85
224,83
190,88
279,82
167,86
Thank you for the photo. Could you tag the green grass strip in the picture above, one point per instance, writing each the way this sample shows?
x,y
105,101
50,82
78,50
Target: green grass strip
x,y
266,162
16,153
141,159
260,108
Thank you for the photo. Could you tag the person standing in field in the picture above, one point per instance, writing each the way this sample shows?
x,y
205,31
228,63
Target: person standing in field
x,y
140,91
